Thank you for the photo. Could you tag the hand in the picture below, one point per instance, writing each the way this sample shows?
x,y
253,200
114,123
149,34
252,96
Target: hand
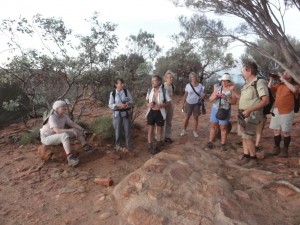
x,y
73,130
246,113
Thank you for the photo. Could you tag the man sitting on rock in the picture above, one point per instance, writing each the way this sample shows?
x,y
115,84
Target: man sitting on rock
x,y
53,131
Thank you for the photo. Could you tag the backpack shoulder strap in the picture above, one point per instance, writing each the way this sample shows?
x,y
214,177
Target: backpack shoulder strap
x,y
164,95
125,91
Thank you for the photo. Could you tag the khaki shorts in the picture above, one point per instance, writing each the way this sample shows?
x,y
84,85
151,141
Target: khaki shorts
x,y
251,125
282,121
261,125
192,109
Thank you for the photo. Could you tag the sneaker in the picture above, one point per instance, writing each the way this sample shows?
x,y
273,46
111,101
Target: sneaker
x,y
168,140
195,134
209,145
72,161
223,147
88,148
183,132
284,153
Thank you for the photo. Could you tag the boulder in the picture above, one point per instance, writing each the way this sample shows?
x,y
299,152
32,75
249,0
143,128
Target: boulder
x,y
51,153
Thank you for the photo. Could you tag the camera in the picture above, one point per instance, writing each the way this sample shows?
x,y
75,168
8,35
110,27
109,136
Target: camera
x,y
274,76
153,103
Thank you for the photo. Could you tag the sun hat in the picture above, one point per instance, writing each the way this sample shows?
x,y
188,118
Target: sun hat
x,y
225,76
59,103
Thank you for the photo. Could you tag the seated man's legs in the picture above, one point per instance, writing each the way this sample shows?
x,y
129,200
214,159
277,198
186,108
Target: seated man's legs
x,y
56,139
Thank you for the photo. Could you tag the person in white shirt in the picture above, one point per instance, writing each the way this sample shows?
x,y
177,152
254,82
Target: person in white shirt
x,y
120,101
192,102
54,132
157,100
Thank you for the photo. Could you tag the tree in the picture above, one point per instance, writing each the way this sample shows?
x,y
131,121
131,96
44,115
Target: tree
x,y
143,45
63,67
261,18
267,65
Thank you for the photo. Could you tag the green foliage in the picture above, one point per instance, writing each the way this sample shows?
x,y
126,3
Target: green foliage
x,y
30,136
103,127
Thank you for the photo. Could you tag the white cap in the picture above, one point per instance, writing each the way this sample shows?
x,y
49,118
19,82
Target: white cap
x,y
58,104
225,76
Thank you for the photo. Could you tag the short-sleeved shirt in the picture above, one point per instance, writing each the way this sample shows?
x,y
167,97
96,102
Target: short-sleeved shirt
x,y
249,94
159,100
55,121
284,100
192,97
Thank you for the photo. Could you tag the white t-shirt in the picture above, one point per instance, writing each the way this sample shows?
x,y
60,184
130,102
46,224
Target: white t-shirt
x,y
192,97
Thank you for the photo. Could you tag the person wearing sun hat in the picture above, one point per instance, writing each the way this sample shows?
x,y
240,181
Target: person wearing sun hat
x,y
54,132
223,96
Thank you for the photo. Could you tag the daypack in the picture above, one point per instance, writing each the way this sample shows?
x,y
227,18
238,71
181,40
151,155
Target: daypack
x,y
267,109
296,103
163,91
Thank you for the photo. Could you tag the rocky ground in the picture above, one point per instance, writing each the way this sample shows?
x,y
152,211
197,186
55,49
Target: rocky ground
x,y
184,184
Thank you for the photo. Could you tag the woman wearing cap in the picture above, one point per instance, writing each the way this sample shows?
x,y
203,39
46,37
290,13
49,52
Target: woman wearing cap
x,y
223,96
53,131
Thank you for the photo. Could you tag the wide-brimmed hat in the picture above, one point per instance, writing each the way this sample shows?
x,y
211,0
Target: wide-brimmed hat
x,y
225,76
58,104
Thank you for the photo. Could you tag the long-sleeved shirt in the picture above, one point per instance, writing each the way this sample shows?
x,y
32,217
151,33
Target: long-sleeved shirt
x,y
120,97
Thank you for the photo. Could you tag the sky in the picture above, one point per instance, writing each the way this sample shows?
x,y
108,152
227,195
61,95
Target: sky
x,y
159,17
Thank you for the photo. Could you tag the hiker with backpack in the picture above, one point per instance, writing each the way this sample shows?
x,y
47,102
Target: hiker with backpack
x,y
120,101
158,100
222,98
54,132
170,88
192,102
251,103
284,111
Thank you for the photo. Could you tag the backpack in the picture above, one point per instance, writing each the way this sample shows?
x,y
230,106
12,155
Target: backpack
x,y
296,103
267,109
114,94
173,87
46,115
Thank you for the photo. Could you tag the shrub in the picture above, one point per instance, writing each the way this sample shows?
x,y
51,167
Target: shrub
x,y
30,136
103,126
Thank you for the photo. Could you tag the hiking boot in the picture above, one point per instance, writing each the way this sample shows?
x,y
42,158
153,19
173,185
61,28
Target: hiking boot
x,y
223,147
168,140
251,163
284,153
72,161
159,145
183,132
276,151
152,150
209,145
195,134
243,161
88,148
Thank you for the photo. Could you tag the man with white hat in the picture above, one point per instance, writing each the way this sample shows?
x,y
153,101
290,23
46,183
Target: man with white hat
x,y
222,97
53,131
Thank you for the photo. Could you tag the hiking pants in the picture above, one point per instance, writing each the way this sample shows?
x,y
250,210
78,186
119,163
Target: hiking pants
x,y
168,124
120,122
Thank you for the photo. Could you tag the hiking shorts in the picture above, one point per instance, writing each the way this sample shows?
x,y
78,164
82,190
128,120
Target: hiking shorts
x,y
213,118
192,109
282,121
155,117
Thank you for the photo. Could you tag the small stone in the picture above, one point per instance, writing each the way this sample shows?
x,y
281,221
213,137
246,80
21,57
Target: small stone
x,y
106,182
139,186
106,215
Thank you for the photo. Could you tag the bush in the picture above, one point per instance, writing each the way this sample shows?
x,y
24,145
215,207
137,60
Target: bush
x,y
103,126
30,136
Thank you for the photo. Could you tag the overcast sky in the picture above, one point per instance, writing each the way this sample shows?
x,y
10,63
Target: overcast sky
x,y
154,16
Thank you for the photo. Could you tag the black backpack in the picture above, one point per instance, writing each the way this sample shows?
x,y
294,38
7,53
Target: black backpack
x,y
296,103
267,109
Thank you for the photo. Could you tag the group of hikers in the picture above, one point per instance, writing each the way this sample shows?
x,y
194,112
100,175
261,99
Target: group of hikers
x,y
254,96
